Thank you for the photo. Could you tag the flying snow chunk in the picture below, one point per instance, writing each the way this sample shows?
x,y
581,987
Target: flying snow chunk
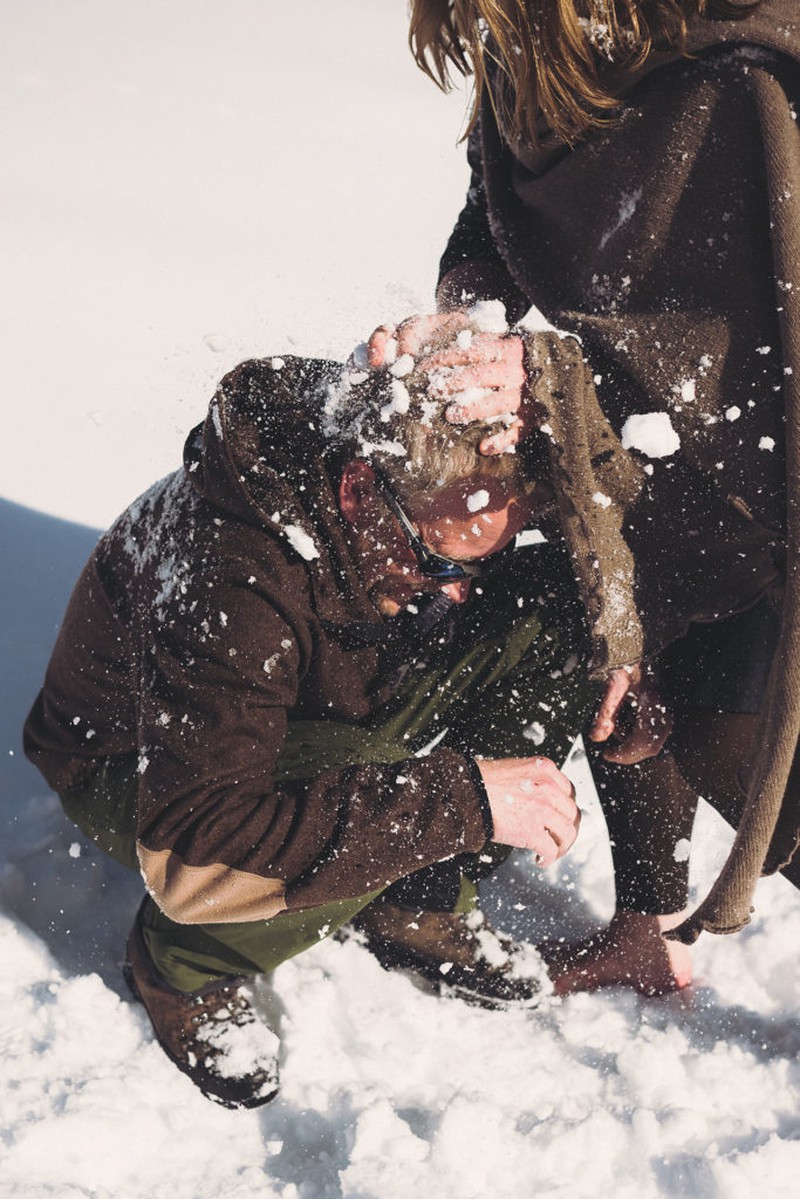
x,y
733,413
529,537
489,316
478,500
682,850
767,443
300,541
534,732
402,367
399,402
651,433
604,501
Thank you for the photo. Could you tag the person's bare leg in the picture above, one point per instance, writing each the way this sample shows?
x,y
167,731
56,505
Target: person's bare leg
x,y
629,952
649,810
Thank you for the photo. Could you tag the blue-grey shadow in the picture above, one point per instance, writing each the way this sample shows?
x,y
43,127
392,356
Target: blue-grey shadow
x,y
51,878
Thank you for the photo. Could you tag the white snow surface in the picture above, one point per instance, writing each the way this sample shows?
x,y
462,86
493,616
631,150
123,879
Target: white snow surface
x,y
186,185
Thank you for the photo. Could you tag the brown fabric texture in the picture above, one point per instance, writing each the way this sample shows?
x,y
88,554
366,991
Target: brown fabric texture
x,y
206,618
669,245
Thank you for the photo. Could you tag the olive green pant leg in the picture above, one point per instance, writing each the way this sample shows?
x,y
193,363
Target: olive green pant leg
x,y
190,956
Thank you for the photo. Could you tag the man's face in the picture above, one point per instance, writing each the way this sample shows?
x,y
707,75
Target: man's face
x,y
467,520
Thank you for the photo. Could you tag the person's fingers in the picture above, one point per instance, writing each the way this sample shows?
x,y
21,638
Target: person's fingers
x,y
556,839
423,334
604,723
501,443
469,347
483,404
545,771
377,346
651,729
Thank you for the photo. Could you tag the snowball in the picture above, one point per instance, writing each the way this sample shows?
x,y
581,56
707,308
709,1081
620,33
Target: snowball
x,y
402,367
478,500
650,433
489,316
682,850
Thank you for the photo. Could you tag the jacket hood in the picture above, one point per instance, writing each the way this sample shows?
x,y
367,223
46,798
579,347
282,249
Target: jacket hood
x,y
261,454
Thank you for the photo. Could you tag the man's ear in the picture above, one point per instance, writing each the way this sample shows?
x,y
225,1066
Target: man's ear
x,y
356,484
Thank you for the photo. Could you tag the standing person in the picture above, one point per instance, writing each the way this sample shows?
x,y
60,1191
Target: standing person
x,y
636,177
289,690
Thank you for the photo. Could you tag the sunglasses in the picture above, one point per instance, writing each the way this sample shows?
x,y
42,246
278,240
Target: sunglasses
x,y
432,565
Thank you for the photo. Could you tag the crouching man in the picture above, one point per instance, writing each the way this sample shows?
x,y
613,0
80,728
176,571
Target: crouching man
x,y
298,685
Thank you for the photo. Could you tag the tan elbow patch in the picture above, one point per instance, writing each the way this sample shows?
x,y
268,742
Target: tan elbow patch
x,y
214,894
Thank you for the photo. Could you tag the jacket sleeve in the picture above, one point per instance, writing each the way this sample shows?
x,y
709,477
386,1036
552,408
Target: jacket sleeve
x,y
218,838
471,268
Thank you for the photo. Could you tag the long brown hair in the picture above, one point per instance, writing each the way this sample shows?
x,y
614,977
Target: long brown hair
x,y
550,51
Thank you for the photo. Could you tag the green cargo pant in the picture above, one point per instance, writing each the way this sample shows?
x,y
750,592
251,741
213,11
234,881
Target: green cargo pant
x,y
510,683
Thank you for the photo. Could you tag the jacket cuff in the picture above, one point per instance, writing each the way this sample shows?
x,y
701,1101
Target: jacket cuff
x,y
482,796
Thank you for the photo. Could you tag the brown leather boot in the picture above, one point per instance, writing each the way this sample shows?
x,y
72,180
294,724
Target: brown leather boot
x,y
459,955
212,1035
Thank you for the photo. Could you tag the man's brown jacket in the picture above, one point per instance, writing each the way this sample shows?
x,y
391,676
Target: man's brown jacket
x,y
211,613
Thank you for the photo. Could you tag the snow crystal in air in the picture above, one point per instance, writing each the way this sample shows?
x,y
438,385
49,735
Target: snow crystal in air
x,y
74,850
300,541
478,500
767,443
650,433
733,413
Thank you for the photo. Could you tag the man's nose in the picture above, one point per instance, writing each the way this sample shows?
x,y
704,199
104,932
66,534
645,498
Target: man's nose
x,y
457,592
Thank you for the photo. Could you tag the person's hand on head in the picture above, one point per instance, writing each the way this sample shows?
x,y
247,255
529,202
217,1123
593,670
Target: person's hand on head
x,y
532,804
478,372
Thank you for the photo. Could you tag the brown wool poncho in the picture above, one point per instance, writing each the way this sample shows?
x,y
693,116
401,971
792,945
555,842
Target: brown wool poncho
x,y
669,245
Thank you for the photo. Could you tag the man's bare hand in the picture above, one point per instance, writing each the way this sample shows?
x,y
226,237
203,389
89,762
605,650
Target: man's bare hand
x,y
629,692
482,374
532,804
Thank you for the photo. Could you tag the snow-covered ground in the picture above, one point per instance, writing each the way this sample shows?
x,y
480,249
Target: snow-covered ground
x,y
184,184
